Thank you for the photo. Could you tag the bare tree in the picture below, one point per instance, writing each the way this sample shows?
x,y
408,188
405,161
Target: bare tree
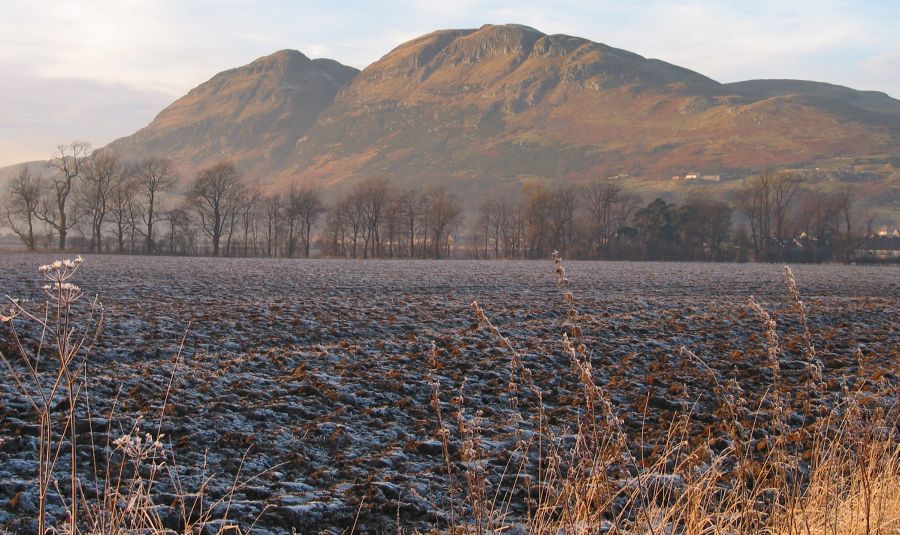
x,y
392,223
766,200
494,228
373,195
563,206
409,207
337,227
293,199
248,214
121,207
181,235
69,162
24,197
232,220
624,208
852,227
499,224
353,210
303,208
538,210
215,194
273,208
600,197
155,175
749,205
508,229
482,230
820,214
784,189
95,194
444,214
311,207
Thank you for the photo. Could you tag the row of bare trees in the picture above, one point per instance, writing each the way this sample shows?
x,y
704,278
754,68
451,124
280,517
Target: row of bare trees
x,y
90,190
600,219
289,220
374,219
138,207
771,217
783,217
118,206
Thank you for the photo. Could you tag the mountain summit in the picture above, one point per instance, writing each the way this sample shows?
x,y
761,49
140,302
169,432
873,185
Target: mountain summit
x,y
489,107
252,114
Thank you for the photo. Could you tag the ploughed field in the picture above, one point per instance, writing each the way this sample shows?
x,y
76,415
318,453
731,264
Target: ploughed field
x,y
317,376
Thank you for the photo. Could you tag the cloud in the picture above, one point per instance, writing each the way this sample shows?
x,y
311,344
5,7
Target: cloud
x,y
170,46
730,43
38,113
837,41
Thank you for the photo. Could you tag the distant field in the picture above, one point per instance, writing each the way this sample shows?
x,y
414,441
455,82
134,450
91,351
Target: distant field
x,y
323,368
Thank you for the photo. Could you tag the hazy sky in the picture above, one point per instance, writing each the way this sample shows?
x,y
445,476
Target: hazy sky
x,y
101,69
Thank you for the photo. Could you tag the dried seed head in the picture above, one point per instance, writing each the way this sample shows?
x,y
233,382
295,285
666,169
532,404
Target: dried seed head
x,y
792,287
12,312
137,447
479,314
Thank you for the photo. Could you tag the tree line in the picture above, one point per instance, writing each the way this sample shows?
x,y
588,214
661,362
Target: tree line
x,y
139,207
117,206
770,217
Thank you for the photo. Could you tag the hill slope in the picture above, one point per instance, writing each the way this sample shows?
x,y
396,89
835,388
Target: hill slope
x,y
507,104
875,101
252,114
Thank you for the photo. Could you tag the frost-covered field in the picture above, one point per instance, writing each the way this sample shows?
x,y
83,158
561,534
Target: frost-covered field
x,y
319,370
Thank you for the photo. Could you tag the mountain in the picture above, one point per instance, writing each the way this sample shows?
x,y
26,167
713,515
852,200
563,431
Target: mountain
x,y
486,110
500,105
875,101
252,114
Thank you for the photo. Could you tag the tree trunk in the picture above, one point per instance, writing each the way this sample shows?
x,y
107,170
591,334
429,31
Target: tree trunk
x,y
148,243
306,242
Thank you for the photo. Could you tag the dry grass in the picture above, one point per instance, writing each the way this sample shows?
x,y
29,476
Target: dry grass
x,y
837,473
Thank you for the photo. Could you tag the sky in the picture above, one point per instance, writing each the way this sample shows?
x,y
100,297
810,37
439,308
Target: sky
x,y
97,70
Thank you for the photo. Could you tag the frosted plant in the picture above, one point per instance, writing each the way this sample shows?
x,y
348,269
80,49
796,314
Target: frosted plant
x,y
11,313
57,273
814,367
52,386
137,447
